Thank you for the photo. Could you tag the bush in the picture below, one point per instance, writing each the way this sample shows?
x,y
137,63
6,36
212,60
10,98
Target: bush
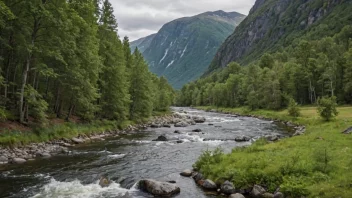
x,y
327,107
293,109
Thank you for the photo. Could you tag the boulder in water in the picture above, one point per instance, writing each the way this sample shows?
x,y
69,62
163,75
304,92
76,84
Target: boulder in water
x,y
181,124
178,132
186,173
278,195
104,182
198,119
161,138
242,139
18,160
197,130
155,126
77,140
156,188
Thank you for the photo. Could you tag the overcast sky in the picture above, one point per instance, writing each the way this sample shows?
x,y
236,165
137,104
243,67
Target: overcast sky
x,y
140,18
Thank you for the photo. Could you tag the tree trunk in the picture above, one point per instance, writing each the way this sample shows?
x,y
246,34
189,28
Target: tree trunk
x,y
23,85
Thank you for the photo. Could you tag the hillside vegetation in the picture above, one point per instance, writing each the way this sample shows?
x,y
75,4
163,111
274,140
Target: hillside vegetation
x,y
276,24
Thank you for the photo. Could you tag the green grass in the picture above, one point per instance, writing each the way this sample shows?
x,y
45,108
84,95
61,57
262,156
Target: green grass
x,y
66,130
317,164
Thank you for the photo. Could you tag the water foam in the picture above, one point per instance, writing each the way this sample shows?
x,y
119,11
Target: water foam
x,y
116,156
76,189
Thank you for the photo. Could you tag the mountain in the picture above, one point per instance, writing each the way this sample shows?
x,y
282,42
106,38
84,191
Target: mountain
x,y
183,48
275,24
142,43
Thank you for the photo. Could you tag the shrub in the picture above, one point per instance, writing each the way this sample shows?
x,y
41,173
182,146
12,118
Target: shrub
x,y
327,107
293,109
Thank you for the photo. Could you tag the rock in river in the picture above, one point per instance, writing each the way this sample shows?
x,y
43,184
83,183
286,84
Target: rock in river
x,y
77,140
197,130
199,119
161,138
157,188
227,188
242,139
186,173
181,124
18,160
104,182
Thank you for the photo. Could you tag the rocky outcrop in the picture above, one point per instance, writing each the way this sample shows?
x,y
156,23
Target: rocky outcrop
x,y
263,31
156,188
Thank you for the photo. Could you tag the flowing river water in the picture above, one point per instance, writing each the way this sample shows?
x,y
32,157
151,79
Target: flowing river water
x,y
129,158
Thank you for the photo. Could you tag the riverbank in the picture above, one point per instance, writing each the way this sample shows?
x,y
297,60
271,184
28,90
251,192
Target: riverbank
x,y
315,164
20,146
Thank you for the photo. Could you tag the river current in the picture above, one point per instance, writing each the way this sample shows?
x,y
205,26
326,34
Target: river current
x,y
129,158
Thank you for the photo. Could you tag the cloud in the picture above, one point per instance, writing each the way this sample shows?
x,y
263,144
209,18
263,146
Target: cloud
x,y
139,18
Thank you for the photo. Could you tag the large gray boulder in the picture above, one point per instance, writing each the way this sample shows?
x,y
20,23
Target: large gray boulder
x,y
227,188
237,195
209,185
156,188
257,191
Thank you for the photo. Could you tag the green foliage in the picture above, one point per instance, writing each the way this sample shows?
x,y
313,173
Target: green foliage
x,y
293,108
65,59
327,107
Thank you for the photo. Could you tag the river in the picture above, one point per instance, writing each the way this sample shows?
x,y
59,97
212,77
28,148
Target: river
x,y
129,158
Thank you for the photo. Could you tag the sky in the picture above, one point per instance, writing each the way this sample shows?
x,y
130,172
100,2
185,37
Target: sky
x,y
140,18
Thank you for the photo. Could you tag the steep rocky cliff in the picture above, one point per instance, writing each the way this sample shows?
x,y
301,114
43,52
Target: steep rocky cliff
x,y
182,49
273,24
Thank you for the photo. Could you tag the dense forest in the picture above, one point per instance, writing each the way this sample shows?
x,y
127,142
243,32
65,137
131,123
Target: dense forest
x,y
64,58
304,71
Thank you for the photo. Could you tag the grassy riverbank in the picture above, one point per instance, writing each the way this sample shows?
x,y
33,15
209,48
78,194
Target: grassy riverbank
x,y
317,164
64,130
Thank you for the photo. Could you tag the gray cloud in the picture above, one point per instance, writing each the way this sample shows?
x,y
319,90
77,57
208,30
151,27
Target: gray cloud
x,y
139,18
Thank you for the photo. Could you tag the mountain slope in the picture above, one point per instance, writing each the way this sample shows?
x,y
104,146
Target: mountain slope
x,y
142,43
183,48
273,24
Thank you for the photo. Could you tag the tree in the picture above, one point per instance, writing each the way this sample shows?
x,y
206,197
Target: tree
x,y
327,107
107,17
140,88
293,109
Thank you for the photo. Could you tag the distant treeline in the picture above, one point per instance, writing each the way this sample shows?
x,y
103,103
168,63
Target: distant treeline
x,y
63,58
303,71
